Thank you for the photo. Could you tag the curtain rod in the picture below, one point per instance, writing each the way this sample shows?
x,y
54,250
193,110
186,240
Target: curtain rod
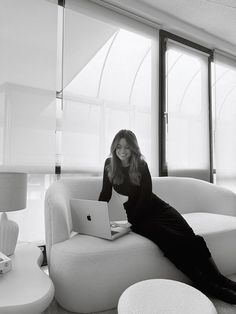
x,y
145,20
225,54
127,12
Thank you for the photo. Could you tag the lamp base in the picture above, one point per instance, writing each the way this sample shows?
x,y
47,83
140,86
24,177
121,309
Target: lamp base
x,y
9,231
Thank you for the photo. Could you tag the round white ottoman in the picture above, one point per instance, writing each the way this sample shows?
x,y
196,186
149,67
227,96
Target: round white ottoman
x,y
164,296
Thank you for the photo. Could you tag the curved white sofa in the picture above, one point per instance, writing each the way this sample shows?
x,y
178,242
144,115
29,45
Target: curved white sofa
x,y
90,274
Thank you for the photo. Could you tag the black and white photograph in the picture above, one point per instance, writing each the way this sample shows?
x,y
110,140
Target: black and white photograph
x,y
117,156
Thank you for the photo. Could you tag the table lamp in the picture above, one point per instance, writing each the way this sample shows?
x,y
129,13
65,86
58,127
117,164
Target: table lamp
x,y
13,188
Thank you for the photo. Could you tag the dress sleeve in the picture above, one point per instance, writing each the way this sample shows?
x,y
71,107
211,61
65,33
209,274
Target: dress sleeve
x,y
145,187
106,192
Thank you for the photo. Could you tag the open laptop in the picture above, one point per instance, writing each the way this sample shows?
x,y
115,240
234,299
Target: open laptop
x,y
92,218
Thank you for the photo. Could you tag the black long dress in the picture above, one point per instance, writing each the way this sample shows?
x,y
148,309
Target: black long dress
x,y
155,219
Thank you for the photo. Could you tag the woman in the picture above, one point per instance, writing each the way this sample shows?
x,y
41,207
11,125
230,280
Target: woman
x,y
128,173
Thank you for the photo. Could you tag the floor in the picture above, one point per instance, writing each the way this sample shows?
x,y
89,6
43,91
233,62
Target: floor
x,y
54,308
221,307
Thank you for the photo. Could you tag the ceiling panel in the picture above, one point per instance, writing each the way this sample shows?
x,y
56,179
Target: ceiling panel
x,y
217,17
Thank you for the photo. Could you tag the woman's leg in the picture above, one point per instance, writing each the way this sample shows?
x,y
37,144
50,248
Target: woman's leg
x,y
186,253
207,265
195,245
203,282
210,268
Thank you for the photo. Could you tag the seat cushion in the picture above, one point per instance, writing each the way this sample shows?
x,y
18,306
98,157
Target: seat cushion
x,y
206,223
90,273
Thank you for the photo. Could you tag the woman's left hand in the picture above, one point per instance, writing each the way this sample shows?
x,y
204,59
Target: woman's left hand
x,y
120,224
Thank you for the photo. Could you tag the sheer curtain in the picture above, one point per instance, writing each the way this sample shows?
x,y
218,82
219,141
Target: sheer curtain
x,y
108,80
187,140
28,54
224,90
27,85
110,68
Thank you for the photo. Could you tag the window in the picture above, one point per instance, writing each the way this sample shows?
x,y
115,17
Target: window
x,y
27,103
31,219
27,107
224,91
108,85
103,68
185,110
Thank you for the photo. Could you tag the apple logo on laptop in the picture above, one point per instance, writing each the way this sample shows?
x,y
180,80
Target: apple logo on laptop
x,y
89,217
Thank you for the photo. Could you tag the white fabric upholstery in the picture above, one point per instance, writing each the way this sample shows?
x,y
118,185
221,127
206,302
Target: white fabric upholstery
x,y
90,273
164,296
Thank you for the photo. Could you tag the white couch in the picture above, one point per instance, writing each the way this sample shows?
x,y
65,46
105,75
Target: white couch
x,y
90,274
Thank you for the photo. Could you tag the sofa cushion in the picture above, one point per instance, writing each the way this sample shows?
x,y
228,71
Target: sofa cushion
x,y
90,273
206,223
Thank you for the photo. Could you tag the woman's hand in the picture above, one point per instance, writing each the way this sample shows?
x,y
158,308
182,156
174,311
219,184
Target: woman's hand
x,y
115,224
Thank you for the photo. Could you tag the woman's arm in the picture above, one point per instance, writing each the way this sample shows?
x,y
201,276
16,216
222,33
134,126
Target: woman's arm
x,y
145,186
106,192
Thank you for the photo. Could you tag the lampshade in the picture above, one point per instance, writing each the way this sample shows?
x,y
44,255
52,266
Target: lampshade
x,y
13,187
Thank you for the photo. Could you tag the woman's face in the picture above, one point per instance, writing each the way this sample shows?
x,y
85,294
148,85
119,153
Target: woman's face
x,y
123,152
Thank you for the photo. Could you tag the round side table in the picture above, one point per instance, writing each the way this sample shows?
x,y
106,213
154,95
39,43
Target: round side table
x,y
164,296
25,289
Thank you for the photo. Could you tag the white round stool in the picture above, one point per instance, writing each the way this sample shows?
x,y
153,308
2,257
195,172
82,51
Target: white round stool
x,y
164,296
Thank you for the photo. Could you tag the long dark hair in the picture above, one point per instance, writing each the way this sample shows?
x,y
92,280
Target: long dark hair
x,y
114,169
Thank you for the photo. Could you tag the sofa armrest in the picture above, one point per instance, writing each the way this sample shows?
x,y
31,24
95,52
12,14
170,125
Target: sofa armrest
x,y
57,216
189,195
216,199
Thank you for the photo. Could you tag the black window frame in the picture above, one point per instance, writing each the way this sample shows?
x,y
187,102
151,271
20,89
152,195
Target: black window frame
x,y
163,37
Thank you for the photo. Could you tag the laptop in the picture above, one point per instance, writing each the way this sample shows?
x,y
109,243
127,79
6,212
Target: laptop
x,y
92,218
